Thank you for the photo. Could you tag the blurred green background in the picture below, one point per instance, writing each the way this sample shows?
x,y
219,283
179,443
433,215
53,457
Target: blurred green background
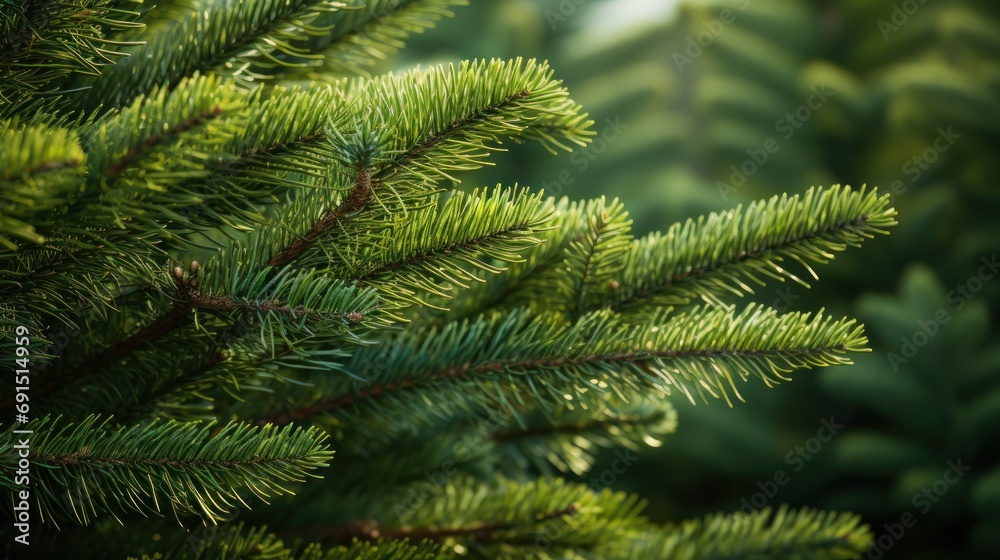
x,y
701,106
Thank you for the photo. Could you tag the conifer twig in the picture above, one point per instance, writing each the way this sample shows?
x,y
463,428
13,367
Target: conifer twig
x,y
466,370
482,532
357,199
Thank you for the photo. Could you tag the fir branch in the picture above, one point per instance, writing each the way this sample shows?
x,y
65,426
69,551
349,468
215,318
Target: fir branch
x,y
567,436
41,166
134,165
543,358
220,33
157,121
42,42
96,470
281,149
173,379
227,303
497,514
159,138
502,99
290,306
361,36
718,255
175,316
593,258
725,253
29,150
324,203
522,283
421,258
285,132
356,199
483,532
783,534
455,129
188,284
241,540
446,245
188,299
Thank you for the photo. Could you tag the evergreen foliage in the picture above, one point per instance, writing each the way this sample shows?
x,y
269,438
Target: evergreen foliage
x,y
229,262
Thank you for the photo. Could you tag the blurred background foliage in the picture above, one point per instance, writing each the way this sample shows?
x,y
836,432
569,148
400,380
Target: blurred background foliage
x,y
705,105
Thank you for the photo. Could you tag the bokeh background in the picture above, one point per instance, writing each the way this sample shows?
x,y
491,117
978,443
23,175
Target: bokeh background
x,y
701,106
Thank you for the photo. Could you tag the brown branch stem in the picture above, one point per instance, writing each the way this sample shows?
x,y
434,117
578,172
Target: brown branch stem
x,y
359,196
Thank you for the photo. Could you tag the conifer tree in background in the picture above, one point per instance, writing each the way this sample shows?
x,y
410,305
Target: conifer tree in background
x,y
256,325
